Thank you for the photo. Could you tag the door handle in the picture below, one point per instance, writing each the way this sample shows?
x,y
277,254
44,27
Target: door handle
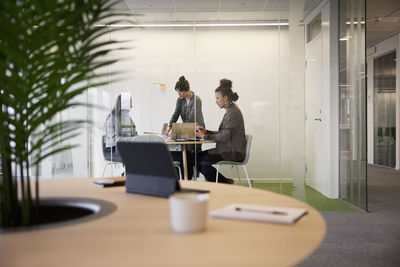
x,y
318,119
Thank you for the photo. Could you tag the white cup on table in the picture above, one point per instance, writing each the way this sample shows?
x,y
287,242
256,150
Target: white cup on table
x,y
188,212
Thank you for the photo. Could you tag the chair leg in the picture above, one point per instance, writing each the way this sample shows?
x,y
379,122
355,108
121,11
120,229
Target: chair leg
x,y
247,175
237,171
216,176
180,172
194,178
104,169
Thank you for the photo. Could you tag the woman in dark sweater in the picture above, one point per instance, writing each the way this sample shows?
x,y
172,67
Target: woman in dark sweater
x,y
188,107
230,137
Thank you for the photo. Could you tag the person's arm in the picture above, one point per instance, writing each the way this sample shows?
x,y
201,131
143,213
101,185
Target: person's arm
x,y
177,112
200,131
230,122
211,132
175,116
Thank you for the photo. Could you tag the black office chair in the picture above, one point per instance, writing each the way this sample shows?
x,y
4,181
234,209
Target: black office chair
x,y
157,139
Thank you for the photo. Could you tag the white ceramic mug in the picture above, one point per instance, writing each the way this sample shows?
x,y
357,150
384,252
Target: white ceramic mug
x,y
188,212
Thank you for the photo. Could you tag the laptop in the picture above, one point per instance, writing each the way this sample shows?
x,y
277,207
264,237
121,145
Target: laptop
x,y
150,170
183,131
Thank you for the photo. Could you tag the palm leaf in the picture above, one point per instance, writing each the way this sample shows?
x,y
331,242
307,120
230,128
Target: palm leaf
x,y
49,51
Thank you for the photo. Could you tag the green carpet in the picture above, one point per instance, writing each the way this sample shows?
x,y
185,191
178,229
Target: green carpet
x,y
313,197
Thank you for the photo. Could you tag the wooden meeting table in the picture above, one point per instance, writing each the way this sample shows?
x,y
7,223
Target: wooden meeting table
x,y
138,232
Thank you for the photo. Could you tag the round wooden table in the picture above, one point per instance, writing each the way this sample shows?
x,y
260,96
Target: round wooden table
x,y
138,232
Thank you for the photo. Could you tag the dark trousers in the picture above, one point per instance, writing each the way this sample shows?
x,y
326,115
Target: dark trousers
x,y
177,156
205,160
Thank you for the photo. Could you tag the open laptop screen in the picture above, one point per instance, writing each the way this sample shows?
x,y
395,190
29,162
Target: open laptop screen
x,y
183,131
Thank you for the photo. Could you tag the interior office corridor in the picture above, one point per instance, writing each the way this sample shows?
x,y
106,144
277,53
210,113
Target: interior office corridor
x,y
365,238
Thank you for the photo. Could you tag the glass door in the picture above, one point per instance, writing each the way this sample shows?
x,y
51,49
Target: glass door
x,y
385,110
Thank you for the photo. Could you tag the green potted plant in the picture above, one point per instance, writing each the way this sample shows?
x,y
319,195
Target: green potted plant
x,y
49,51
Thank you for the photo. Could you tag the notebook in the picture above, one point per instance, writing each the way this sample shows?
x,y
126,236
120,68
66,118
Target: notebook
x,y
271,214
108,183
183,131
149,169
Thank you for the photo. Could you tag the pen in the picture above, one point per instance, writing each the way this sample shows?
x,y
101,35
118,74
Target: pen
x,y
262,211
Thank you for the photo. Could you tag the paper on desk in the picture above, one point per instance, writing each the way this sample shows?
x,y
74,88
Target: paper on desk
x,y
259,213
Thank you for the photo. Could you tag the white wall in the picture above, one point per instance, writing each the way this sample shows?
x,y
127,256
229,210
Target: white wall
x,y
381,49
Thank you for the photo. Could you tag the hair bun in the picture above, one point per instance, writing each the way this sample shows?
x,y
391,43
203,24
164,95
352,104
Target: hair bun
x,y
225,83
182,84
235,97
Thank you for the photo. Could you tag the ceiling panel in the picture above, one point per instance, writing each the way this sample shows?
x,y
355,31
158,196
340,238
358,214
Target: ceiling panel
x,y
382,8
205,10
242,5
383,16
157,17
278,5
151,5
396,14
204,5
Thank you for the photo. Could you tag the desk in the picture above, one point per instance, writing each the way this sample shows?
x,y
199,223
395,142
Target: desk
x,y
138,232
184,151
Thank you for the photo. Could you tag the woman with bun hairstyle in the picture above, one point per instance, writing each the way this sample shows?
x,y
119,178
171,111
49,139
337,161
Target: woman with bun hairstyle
x,y
230,137
188,107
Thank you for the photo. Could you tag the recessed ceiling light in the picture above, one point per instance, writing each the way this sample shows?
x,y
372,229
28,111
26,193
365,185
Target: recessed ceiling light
x,y
189,24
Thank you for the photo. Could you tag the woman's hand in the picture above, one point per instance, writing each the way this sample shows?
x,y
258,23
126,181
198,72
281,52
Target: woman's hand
x,y
200,131
166,133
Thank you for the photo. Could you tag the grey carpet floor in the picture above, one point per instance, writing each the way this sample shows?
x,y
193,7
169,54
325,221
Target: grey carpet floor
x,y
365,238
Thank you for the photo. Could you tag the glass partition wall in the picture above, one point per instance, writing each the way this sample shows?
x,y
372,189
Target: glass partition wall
x,y
353,152
252,57
385,110
261,47
256,57
263,59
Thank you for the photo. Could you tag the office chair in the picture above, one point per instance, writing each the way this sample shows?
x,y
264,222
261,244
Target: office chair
x,y
106,156
159,139
243,163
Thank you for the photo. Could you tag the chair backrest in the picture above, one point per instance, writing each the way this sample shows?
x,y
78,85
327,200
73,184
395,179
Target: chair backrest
x,y
249,138
149,138
103,145
107,154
